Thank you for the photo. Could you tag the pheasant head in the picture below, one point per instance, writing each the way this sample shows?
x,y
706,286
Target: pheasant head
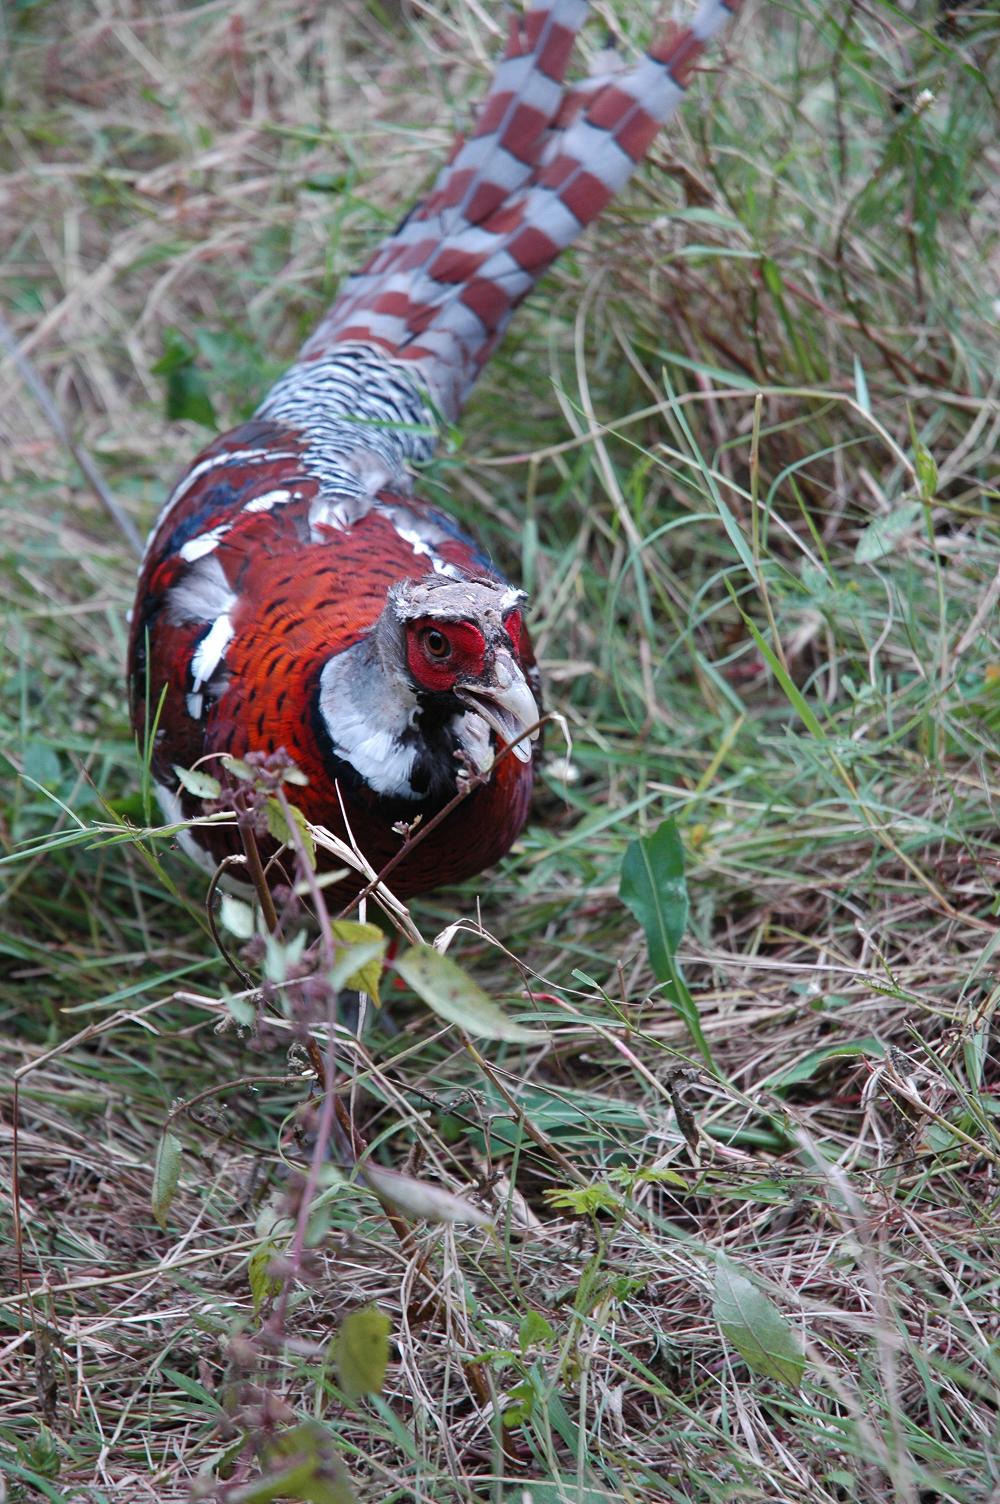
x,y
436,689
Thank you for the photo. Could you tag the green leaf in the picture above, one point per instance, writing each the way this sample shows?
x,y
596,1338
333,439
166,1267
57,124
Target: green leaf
x,y
41,1452
654,888
263,1284
584,1200
520,1403
368,971
242,1009
279,828
806,1068
756,1328
791,690
240,769
629,1177
535,1331
281,956
192,1389
201,785
301,1465
236,916
881,536
927,472
417,1198
354,964
861,387
165,1176
454,996
187,392
361,1352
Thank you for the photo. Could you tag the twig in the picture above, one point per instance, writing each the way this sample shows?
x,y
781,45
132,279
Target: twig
x,y
223,950
474,782
256,866
54,418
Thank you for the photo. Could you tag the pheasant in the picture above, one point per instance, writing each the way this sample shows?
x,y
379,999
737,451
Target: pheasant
x,y
296,594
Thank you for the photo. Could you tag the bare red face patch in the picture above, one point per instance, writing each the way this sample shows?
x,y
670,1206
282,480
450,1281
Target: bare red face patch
x,y
441,652
513,625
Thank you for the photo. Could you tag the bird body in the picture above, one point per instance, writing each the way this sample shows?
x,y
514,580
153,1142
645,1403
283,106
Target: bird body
x,y
295,595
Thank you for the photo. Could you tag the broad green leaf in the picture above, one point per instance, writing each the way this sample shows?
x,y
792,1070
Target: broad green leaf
x,y
368,973
756,1328
654,888
301,1465
242,1009
278,826
201,785
535,1330
361,1352
584,1200
236,916
881,536
187,390
976,1052
240,769
358,965
165,1176
454,996
647,1175
263,1284
521,1401
282,956
415,1198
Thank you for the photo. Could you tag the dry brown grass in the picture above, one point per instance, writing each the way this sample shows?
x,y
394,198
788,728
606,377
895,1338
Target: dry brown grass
x,y
214,171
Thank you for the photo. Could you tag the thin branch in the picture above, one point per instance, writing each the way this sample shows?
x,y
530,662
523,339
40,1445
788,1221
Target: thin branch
x,y
26,370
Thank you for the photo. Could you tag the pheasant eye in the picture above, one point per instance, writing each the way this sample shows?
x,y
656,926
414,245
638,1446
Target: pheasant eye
x,y
435,644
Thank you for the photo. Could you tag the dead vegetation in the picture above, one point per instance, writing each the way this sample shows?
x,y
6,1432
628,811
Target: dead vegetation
x,y
755,1263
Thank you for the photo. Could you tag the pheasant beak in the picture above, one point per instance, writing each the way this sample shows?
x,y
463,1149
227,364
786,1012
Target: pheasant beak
x,y
506,704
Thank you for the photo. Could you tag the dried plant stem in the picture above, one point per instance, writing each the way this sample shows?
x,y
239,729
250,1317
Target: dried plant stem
x,y
473,782
53,417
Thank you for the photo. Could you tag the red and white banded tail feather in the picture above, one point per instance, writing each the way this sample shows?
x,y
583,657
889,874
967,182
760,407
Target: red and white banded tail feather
x,y
542,162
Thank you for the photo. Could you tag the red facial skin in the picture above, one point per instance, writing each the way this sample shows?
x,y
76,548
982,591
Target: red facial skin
x,y
299,602
463,655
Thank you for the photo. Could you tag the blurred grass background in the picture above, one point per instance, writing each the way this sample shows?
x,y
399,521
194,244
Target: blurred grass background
x,y
741,447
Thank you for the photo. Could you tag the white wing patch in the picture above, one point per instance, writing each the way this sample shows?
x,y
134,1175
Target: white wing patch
x,y
205,543
271,499
202,595
214,461
207,661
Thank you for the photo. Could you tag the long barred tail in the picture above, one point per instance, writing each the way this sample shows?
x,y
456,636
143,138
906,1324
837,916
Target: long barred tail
x,y
543,161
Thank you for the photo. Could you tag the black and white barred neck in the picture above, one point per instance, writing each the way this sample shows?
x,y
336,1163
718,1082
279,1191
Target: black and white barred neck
x,y
363,417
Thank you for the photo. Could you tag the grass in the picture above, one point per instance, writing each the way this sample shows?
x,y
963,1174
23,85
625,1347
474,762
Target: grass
x,y
741,447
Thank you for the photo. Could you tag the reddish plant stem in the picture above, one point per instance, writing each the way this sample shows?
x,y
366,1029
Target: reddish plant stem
x,y
474,782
